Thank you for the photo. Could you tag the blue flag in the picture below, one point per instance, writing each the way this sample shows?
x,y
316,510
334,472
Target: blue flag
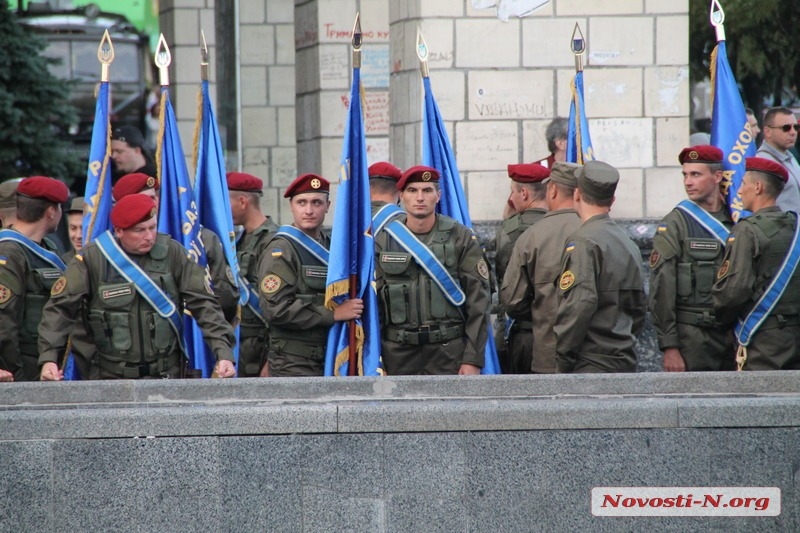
x,y
579,142
177,217
729,131
437,152
352,254
211,193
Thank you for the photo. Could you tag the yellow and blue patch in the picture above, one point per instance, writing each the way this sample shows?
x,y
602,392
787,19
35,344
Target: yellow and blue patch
x,y
3,260
661,228
570,247
731,239
276,252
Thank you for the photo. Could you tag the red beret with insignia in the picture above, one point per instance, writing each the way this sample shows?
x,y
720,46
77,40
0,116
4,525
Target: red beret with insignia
x,y
44,188
307,183
702,153
242,181
385,170
133,183
528,173
767,166
131,210
417,173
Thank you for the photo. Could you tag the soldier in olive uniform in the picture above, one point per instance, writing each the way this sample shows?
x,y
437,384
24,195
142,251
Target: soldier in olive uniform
x,y
293,273
527,288
602,306
245,191
687,252
136,336
528,187
383,178
753,285
29,266
74,227
431,324
224,285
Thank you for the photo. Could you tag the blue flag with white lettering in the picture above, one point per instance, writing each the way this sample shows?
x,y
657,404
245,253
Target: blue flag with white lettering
x,y
177,217
579,142
211,192
437,152
729,130
351,271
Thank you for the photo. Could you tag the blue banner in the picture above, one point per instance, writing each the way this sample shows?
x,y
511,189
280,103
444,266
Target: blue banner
x,y
729,131
437,152
211,195
579,142
352,254
178,218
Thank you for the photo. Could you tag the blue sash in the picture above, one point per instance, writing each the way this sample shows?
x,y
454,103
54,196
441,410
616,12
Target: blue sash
x,y
47,255
425,258
746,328
252,298
145,286
383,216
300,238
704,218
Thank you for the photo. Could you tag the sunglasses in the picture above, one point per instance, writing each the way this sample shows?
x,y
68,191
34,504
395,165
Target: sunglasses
x,y
786,127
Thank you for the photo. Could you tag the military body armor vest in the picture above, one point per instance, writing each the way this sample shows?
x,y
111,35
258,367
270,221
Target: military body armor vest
x,y
40,279
126,327
700,258
409,296
775,235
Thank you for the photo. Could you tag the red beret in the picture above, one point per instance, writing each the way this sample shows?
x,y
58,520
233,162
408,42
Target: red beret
x,y
44,188
528,173
131,210
767,166
241,181
702,153
385,170
417,173
307,183
133,183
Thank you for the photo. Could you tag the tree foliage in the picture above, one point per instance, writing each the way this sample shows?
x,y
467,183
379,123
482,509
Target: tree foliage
x,y
34,107
762,47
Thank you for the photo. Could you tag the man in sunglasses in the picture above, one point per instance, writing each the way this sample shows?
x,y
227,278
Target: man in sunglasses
x,y
780,134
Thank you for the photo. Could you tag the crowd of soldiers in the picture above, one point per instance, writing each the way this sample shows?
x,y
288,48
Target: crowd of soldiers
x,y
569,278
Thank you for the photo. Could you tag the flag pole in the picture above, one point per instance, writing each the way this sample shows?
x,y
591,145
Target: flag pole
x,y
717,17
578,47
422,54
352,365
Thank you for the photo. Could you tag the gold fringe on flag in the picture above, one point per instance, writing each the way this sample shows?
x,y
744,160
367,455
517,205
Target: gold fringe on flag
x,y
161,127
713,75
344,356
198,126
337,288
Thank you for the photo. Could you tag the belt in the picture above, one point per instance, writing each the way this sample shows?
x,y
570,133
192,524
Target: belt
x,y
136,370
521,325
780,321
703,319
424,334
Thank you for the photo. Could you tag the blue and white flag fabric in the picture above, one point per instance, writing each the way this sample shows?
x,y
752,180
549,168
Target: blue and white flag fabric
x,y
729,130
178,218
437,152
579,142
211,192
351,271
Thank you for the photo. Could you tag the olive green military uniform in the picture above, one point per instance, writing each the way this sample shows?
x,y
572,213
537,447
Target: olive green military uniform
x,y
25,283
756,248
528,287
423,333
253,330
519,345
132,340
602,306
225,287
683,265
292,294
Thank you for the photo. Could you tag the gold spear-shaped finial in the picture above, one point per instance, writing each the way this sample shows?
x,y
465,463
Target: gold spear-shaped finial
x,y
422,53
578,47
162,59
717,17
203,57
357,40
105,54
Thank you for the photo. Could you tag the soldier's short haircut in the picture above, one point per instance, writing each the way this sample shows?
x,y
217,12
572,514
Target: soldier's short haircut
x,y
593,200
557,129
383,185
715,167
31,209
564,190
253,198
773,185
538,191
774,111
